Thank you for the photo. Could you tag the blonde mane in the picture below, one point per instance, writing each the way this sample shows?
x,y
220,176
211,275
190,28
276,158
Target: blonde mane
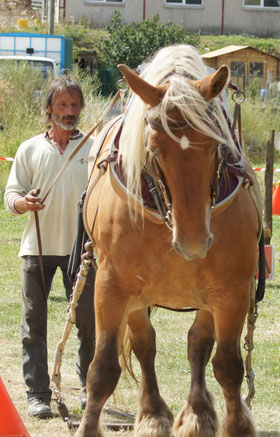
x,y
173,64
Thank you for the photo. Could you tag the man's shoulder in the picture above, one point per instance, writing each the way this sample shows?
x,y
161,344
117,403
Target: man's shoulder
x,y
32,142
27,147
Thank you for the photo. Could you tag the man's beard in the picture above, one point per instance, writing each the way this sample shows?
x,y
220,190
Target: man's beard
x,y
73,121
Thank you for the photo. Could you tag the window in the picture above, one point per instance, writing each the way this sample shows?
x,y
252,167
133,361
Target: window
x,y
237,69
262,3
256,69
104,1
184,2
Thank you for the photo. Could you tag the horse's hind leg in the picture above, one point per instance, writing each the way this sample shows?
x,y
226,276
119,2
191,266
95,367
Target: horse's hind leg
x,y
229,370
154,419
198,417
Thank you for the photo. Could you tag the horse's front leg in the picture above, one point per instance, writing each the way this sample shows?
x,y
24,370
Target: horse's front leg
x,y
229,370
154,419
104,371
198,417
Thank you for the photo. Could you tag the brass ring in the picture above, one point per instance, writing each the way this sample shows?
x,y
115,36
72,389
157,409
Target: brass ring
x,y
238,96
122,82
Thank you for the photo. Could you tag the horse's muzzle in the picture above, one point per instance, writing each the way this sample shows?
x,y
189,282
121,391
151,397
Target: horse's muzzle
x,y
193,251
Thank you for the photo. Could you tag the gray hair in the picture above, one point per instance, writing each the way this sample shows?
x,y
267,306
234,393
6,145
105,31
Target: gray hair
x,y
59,84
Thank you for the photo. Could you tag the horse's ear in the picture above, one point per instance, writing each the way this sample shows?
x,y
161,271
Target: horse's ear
x,y
212,85
149,93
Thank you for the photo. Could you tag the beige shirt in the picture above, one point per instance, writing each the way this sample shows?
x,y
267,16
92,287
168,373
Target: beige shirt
x,y
37,162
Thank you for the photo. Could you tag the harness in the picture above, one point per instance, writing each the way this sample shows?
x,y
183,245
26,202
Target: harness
x,y
158,208
156,202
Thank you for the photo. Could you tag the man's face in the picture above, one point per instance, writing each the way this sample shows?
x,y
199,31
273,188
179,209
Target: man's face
x,y
66,109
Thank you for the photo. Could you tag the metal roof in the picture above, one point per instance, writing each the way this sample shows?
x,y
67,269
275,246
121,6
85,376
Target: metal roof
x,y
231,49
223,51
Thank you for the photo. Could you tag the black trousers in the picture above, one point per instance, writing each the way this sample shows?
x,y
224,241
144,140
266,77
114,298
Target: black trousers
x,y
34,323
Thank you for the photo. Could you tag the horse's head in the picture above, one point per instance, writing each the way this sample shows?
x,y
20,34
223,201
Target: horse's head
x,y
185,154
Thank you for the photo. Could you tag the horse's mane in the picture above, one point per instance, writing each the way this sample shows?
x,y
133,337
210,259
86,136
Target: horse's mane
x,y
173,64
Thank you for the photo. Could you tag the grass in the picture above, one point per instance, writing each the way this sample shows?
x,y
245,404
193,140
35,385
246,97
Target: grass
x,y
172,366
20,116
214,42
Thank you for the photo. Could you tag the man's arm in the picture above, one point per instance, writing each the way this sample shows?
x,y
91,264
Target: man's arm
x,y
19,196
30,202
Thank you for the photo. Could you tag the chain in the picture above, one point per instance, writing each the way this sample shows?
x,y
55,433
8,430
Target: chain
x,y
249,346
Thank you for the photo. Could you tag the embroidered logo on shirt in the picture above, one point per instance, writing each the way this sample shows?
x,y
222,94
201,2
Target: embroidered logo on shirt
x,y
82,161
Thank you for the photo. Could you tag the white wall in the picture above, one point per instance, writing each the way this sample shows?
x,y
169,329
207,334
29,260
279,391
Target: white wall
x,y
207,19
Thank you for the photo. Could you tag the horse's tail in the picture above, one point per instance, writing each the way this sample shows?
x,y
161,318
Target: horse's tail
x,y
126,356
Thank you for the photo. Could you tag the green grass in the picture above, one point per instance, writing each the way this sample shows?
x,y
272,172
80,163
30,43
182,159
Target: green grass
x,y
172,366
214,42
21,120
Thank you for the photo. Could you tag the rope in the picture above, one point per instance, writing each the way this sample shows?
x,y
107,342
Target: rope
x,y
249,346
77,291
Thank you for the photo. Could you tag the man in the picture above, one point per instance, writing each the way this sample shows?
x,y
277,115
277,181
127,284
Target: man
x,y
36,164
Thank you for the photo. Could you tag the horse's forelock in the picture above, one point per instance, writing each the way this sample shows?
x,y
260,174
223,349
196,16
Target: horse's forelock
x,y
205,117
174,64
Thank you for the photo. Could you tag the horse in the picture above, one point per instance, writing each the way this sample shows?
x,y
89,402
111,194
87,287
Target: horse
x,y
193,249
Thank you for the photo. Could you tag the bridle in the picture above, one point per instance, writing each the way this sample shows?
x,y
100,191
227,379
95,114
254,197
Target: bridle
x,y
157,183
155,177
216,180
159,189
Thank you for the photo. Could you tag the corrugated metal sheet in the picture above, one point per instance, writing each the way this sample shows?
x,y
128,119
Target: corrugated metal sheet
x,y
224,51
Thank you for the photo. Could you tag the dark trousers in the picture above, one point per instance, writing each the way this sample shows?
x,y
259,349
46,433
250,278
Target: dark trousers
x,y
34,323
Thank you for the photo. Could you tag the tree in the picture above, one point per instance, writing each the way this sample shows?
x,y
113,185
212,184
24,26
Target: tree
x,y
132,44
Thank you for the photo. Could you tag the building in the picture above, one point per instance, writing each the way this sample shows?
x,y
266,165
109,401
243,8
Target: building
x,y
251,17
246,64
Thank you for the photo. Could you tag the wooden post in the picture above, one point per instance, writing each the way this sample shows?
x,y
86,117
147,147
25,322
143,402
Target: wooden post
x,y
268,181
51,17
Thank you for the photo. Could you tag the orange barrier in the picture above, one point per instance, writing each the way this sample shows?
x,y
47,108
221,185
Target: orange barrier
x,y
11,424
276,201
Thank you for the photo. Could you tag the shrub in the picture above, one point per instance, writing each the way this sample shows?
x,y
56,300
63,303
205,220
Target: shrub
x,y
21,89
132,44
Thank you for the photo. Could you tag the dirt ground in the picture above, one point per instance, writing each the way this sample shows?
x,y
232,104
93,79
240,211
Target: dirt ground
x,y
11,376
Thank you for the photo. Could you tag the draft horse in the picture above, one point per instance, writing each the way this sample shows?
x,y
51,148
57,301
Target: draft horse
x,y
175,135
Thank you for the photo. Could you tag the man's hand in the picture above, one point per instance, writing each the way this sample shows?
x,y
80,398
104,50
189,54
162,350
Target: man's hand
x,y
31,202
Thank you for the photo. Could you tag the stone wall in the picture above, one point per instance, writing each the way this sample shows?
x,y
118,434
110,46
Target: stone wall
x,y
13,10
